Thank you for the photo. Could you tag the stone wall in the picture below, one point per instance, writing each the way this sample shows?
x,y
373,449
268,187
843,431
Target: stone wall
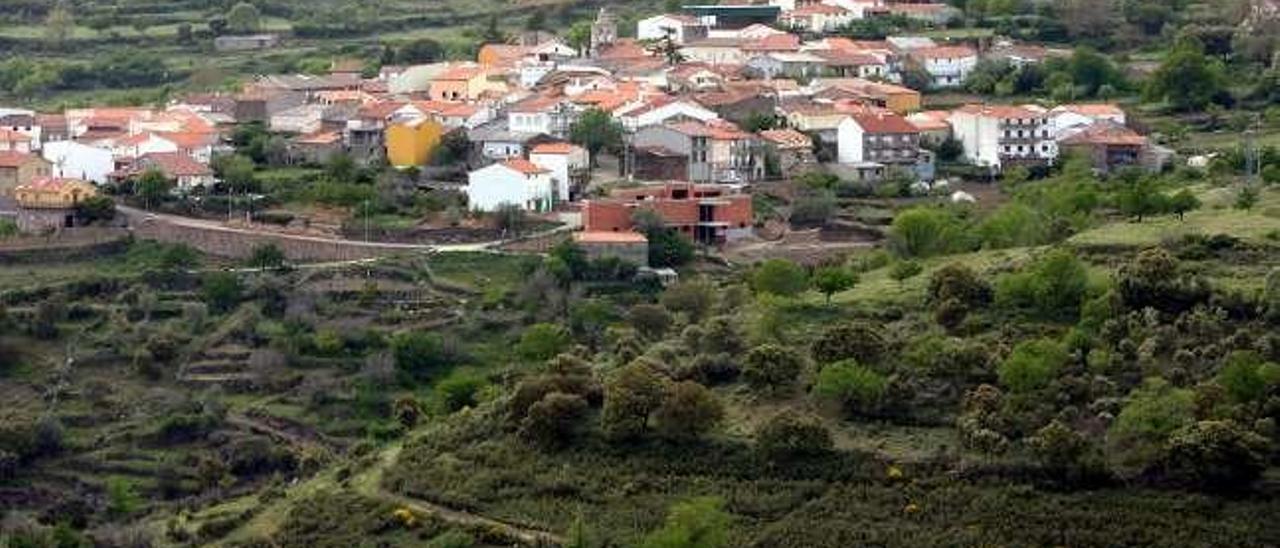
x,y
239,244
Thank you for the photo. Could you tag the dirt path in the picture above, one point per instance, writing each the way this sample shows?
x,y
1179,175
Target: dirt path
x,y
369,484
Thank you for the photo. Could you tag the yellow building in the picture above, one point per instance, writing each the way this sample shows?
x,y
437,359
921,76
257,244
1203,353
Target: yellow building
x,y
465,82
53,193
413,143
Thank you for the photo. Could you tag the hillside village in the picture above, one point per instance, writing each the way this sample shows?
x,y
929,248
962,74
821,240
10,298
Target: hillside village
x,y
605,274
718,98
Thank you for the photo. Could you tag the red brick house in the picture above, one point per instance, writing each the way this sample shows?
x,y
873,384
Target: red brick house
x,y
709,214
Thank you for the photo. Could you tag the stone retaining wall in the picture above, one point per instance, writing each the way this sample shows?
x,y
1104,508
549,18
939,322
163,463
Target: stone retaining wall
x,y
239,244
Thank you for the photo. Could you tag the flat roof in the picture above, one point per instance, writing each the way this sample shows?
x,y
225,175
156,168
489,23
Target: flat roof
x,y
609,237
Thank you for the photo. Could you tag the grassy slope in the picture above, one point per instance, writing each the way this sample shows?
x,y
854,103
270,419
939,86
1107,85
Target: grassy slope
x,y
624,492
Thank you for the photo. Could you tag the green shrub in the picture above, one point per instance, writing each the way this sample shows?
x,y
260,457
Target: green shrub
x,y
790,434
1052,287
1215,455
958,282
457,391
419,353
696,523
221,291
1136,440
1247,378
772,367
780,277
858,388
858,341
542,341
1032,365
688,411
927,231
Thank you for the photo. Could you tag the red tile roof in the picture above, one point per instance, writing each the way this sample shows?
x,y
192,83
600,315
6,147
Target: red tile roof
x,y
524,166
1106,133
787,138
459,72
945,52
320,138
175,164
554,148
51,184
1000,111
536,104
13,158
189,139
777,42
883,122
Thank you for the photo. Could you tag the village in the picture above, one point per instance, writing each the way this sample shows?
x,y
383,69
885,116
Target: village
x,y
689,119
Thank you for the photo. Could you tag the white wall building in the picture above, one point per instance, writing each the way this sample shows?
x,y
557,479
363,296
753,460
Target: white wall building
x,y
948,66
562,160
660,110
999,135
1068,119
516,182
78,161
135,146
679,28
21,121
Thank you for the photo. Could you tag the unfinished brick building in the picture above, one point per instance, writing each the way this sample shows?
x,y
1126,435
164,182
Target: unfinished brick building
x,y
708,214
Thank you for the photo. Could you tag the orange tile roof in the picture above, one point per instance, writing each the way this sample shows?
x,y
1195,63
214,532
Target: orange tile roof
x,y
189,139
554,148
524,166
1095,109
50,184
787,138
13,158
175,164
945,52
540,103
883,122
459,72
1000,111
777,42
380,110
320,138
1106,133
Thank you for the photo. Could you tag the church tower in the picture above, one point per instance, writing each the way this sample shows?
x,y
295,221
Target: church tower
x,y
604,31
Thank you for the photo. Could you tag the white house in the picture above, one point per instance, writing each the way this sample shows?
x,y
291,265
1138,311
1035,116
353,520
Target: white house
x,y
819,18
948,66
678,27
137,145
78,161
14,141
660,109
517,182
860,9
999,135
1068,119
540,114
562,160
23,122
878,136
